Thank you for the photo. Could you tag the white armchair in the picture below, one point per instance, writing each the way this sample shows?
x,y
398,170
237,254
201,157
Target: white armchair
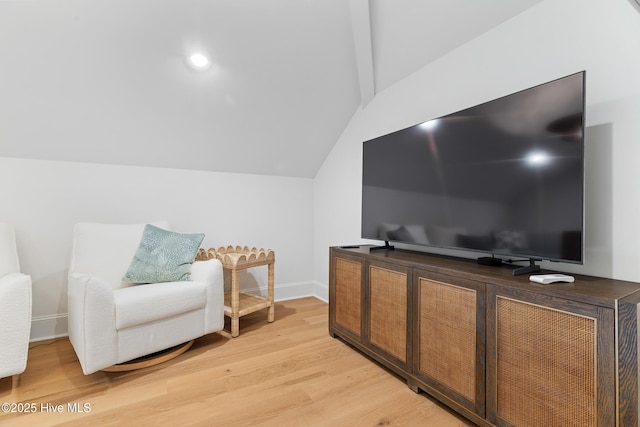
x,y
111,322
15,307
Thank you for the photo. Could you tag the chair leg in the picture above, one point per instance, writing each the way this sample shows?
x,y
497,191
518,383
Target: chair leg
x,y
15,381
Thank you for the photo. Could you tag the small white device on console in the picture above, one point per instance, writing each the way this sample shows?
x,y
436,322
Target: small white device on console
x,y
546,279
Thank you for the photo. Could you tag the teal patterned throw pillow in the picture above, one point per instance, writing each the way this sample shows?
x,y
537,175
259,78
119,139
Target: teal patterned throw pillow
x,y
163,256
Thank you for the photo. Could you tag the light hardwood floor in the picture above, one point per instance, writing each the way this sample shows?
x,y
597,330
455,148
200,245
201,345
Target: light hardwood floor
x,y
286,373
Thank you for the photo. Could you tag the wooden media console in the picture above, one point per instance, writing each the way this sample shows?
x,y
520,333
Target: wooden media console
x,y
496,348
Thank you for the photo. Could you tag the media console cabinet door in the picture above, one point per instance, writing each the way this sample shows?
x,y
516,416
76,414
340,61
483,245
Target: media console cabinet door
x,y
549,361
388,309
346,294
449,346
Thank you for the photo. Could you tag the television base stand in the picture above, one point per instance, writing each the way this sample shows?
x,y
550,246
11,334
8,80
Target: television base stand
x,y
386,246
490,260
531,268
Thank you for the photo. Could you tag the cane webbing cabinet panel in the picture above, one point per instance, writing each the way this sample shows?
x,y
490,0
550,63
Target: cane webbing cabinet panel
x,y
448,354
388,311
496,348
546,370
348,279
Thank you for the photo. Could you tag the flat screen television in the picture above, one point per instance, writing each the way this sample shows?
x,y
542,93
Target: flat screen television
x,y
505,177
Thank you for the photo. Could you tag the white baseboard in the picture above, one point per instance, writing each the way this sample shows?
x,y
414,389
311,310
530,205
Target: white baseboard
x,y
48,327
321,291
295,290
55,325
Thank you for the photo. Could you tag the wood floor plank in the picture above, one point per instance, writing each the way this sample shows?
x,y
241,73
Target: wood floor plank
x,y
286,373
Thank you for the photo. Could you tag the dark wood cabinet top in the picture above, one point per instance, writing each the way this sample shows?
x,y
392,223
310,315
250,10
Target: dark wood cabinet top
x,y
587,289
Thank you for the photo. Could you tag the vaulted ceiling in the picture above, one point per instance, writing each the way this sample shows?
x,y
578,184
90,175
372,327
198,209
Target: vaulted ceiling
x,y
106,81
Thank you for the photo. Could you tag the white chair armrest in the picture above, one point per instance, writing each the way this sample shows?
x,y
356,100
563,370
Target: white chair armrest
x,y
210,272
92,323
15,323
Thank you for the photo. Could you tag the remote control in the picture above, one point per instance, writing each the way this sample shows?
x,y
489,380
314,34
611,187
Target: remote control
x,y
546,279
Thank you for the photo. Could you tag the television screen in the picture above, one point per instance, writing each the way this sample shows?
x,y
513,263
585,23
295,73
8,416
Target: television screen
x,y
503,177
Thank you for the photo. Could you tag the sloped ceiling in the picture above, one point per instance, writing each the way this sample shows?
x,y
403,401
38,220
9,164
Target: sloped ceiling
x,y
105,81
409,34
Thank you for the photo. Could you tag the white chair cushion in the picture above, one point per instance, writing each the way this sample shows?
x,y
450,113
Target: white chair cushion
x,y
140,304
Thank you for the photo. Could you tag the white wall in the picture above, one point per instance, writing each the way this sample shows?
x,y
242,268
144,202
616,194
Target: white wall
x,y
550,40
44,199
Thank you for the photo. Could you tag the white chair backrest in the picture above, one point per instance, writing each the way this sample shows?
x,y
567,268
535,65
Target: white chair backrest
x,y
106,250
9,262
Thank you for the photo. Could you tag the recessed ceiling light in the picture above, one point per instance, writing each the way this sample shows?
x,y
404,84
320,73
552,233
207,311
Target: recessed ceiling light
x,y
199,61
